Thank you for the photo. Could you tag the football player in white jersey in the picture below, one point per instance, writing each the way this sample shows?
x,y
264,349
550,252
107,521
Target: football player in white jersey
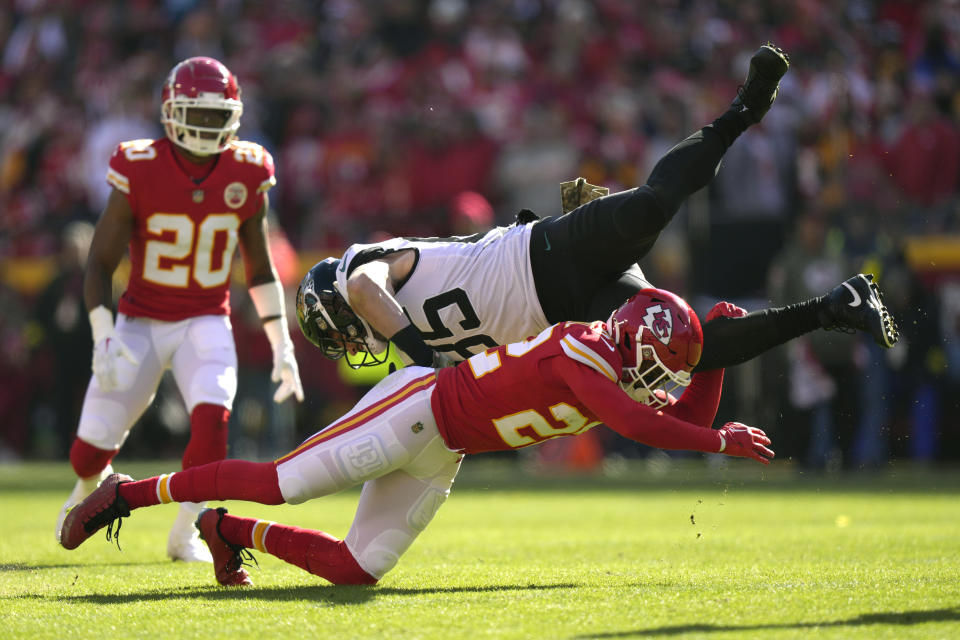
x,y
447,299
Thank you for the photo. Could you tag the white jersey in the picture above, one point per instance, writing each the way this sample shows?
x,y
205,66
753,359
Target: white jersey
x,y
464,294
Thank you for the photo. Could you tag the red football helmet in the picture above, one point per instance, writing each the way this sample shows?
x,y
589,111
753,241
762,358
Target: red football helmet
x,y
201,83
660,340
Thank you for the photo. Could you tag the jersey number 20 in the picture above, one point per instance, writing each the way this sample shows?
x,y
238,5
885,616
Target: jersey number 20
x,y
162,259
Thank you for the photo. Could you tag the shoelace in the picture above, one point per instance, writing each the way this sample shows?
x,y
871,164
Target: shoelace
x,y
241,555
116,512
114,534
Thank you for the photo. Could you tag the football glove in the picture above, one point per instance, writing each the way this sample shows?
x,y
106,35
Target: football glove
x,y
268,300
741,441
725,310
286,372
107,351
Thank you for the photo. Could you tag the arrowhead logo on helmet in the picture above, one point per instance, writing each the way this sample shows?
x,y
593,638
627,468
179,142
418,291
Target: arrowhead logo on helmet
x,y
660,322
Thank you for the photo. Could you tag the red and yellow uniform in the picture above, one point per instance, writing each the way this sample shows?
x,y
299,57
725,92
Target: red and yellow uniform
x,y
185,229
561,383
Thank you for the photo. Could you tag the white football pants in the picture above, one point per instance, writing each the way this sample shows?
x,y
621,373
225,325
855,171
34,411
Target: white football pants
x,y
200,353
389,442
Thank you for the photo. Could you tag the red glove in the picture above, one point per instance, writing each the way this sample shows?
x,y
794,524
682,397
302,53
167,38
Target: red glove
x,y
725,310
742,441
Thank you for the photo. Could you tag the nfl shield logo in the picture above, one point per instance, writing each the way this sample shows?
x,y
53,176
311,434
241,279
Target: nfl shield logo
x,y
198,195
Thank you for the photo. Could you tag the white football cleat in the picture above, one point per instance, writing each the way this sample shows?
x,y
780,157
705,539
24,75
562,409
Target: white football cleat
x,y
184,542
83,488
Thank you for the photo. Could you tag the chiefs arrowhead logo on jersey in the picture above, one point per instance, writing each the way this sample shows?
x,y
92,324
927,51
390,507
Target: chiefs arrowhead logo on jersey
x,y
235,195
660,322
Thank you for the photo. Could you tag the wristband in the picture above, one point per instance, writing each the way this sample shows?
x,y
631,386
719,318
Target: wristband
x,y
411,342
101,323
723,443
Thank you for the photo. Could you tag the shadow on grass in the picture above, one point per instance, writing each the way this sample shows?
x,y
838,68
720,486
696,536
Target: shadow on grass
x,y
905,618
19,566
331,594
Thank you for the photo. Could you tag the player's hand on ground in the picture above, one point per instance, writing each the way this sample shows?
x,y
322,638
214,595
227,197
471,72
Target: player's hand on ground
x,y
725,310
286,372
107,353
742,441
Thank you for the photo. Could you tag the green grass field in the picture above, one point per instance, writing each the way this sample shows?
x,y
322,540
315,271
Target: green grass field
x,y
748,553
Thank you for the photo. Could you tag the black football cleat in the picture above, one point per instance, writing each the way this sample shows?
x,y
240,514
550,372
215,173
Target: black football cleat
x,y
228,559
857,304
100,509
759,90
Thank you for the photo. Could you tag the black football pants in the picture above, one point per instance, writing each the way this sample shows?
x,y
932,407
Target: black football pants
x,y
584,263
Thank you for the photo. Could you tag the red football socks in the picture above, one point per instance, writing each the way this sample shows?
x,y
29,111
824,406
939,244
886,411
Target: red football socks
x,y
87,460
222,480
208,435
315,551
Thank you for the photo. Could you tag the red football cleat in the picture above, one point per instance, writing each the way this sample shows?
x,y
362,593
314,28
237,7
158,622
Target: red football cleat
x,y
100,509
227,558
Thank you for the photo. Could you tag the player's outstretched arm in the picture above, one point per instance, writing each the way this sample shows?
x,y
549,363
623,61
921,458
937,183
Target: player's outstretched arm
x,y
700,401
654,428
109,242
267,295
370,292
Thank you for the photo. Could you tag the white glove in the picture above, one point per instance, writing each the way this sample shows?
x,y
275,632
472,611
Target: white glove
x,y
285,370
107,350
268,300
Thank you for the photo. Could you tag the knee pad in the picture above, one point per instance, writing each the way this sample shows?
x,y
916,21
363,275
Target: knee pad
x,y
104,423
211,384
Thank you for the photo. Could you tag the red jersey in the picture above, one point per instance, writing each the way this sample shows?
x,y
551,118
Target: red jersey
x,y
185,232
560,383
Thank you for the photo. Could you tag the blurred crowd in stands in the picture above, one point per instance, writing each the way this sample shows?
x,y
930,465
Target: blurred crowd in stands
x,y
433,117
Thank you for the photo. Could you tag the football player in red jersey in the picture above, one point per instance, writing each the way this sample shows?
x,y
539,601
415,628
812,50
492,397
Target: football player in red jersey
x,y
405,439
181,205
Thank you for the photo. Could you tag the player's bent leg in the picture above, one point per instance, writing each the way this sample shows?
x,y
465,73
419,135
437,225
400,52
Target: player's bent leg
x,y
229,538
386,429
731,341
396,508
573,255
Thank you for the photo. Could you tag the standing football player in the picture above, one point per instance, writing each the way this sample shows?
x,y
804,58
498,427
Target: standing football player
x,y
405,439
181,204
439,299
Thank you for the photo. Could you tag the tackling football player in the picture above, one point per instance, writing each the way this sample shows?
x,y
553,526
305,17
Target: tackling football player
x,y
439,299
181,204
405,439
